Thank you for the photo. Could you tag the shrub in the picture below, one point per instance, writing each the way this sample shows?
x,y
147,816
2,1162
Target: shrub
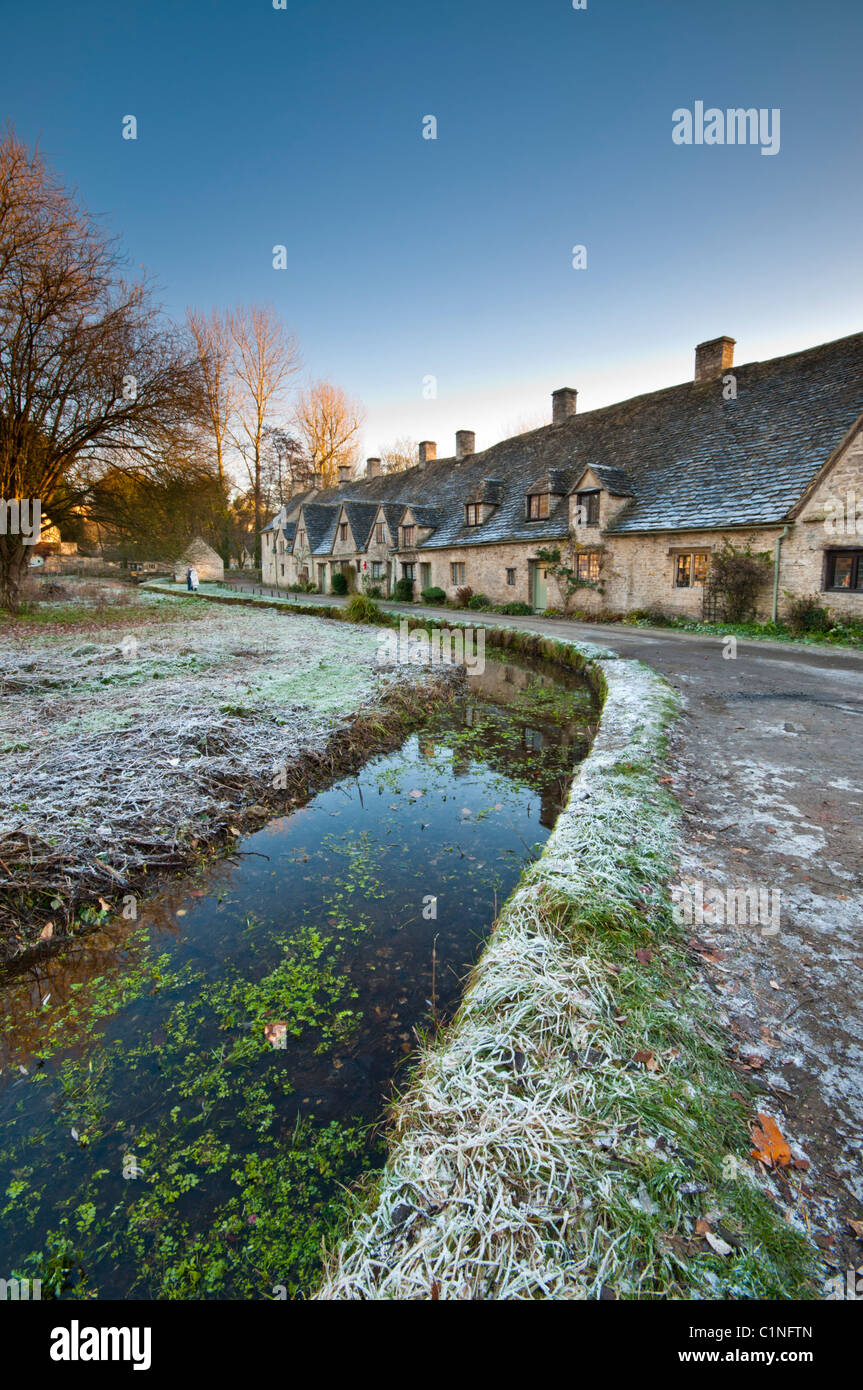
x,y
737,577
310,588
339,584
434,595
361,609
372,590
463,596
808,614
403,591
514,609
479,602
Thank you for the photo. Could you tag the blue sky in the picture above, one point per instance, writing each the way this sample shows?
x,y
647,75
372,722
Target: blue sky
x,y
451,258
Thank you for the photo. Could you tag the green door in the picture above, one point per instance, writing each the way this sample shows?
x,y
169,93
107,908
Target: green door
x,y
539,585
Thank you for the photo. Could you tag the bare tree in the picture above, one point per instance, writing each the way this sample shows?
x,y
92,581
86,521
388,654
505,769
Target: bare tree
x,y
403,453
214,345
328,422
89,372
265,357
286,467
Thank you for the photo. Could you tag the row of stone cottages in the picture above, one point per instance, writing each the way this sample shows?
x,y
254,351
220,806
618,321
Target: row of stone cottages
x,y
638,495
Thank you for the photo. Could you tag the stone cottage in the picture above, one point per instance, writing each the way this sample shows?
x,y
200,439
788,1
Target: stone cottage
x,y
201,557
637,497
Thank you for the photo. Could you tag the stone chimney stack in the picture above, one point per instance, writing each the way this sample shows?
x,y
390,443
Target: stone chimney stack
x,y
713,358
465,443
318,480
344,473
373,468
563,404
427,452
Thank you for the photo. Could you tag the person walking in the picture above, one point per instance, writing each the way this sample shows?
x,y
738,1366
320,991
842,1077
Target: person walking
x,y
193,580
189,578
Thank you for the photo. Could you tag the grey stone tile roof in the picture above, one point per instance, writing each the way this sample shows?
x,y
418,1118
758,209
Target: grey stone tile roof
x,y
686,458
320,522
361,517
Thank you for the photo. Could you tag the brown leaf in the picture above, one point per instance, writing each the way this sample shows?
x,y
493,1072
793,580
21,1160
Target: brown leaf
x,y
47,932
701,1226
770,1146
647,1059
857,1228
644,956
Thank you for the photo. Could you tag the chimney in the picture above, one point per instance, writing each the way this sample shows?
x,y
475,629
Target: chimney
x,y
319,480
428,452
465,443
373,468
563,404
713,358
344,473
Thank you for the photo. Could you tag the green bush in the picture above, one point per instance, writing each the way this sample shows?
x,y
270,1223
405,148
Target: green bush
x,y
403,591
361,609
434,594
514,609
479,602
808,614
339,583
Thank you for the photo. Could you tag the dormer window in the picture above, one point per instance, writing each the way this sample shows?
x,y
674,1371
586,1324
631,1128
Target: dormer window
x,y
537,505
473,514
408,536
588,508
301,538
379,533
343,531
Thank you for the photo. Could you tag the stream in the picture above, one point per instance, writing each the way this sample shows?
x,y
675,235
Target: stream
x,y
193,1100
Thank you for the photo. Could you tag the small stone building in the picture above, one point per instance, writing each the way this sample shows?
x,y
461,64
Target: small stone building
x,y
637,497
203,558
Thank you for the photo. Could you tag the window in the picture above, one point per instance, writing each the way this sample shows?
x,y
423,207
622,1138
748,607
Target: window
x,y
407,571
343,531
379,533
844,569
510,577
283,569
472,514
456,573
537,505
690,569
587,565
408,536
301,537
377,569
588,503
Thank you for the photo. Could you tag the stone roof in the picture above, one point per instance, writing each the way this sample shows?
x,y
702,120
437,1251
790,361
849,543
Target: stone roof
x,y
685,457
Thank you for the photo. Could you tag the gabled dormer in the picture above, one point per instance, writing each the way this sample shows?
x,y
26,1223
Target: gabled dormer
x,y
598,493
483,501
416,525
543,496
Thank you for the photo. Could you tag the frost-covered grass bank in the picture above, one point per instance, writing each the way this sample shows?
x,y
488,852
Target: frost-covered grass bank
x,y
134,734
577,1132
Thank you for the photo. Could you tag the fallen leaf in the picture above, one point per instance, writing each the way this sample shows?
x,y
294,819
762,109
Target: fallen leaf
x,y
702,1227
720,1246
644,956
47,932
770,1146
647,1060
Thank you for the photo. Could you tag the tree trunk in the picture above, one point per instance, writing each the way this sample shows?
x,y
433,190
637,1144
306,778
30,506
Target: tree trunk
x,y
14,555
